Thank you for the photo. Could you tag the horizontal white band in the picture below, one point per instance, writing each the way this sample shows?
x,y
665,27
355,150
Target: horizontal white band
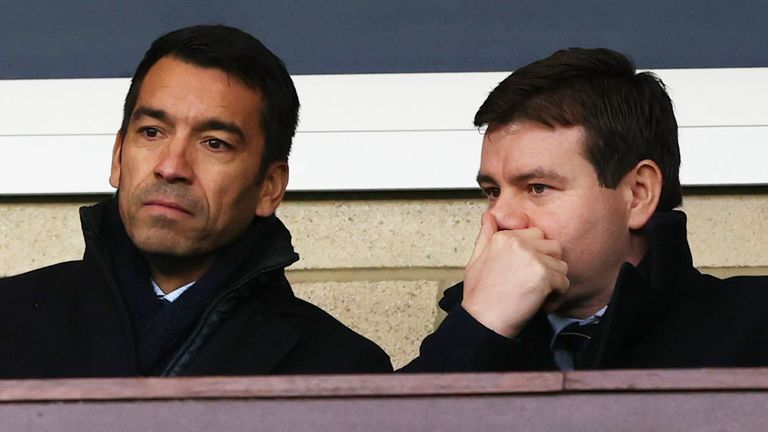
x,y
365,160
369,132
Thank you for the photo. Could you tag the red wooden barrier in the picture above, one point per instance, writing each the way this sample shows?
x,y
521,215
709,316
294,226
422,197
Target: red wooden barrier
x,y
648,400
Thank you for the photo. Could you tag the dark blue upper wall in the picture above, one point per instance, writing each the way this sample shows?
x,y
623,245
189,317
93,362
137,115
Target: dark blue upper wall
x,y
82,38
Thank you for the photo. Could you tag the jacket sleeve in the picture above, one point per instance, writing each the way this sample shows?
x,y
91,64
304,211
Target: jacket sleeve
x,y
461,343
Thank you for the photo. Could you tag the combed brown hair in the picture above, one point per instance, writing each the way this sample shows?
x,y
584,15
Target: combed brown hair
x,y
627,116
243,56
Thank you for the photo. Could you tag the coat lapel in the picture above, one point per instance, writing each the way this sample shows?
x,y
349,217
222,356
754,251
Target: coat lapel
x,y
642,295
250,338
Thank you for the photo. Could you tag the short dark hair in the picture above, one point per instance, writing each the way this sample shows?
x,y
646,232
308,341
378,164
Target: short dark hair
x,y
243,56
627,116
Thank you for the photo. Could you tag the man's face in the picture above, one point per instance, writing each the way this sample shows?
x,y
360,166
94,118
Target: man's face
x,y
187,166
535,176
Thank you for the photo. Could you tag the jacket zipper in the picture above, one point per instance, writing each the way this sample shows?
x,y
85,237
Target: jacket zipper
x,y
172,366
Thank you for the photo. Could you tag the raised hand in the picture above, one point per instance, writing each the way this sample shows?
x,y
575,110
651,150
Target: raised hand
x,y
510,275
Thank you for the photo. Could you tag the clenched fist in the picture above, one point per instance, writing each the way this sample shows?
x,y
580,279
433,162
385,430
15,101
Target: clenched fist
x,y
510,275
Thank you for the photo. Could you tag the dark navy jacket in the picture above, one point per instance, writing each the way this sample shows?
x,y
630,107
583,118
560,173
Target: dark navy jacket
x,y
663,314
70,320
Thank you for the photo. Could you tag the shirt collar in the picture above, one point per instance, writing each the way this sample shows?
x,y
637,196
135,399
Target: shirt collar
x,y
558,322
173,295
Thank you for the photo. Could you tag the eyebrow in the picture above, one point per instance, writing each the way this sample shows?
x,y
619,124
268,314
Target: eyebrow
x,y
212,124
484,178
143,111
221,125
536,173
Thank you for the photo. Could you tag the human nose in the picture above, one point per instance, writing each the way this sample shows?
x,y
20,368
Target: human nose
x,y
509,215
174,164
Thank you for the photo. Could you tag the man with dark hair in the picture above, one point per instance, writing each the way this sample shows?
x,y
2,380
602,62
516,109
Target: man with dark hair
x,y
183,272
582,261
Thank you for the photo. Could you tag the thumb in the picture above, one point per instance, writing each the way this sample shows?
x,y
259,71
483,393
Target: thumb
x,y
487,230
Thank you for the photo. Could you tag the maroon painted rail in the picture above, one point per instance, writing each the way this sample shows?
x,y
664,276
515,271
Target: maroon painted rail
x,y
647,400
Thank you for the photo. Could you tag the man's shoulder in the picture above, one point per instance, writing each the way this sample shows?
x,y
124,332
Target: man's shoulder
x,y
63,283
312,320
323,334
735,295
735,285
746,281
37,298
55,273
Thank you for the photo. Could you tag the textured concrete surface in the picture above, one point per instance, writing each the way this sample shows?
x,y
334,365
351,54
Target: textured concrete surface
x,y
34,235
724,231
728,231
397,315
380,265
351,234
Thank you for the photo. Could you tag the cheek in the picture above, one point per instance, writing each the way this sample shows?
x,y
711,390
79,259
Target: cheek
x,y
599,240
577,228
564,220
231,204
134,171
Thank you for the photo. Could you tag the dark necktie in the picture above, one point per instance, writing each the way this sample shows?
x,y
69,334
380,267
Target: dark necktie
x,y
575,338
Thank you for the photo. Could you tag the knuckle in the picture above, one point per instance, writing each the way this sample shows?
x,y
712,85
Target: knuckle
x,y
507,239
538,269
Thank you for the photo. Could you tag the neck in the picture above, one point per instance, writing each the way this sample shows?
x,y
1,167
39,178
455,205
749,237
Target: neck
x,y
170,272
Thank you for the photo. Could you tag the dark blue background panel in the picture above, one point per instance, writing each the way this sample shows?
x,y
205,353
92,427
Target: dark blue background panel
x,y
80,38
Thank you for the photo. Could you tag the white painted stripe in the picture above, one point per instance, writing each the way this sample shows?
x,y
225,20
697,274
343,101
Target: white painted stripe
x,y
369,132
70,164
61,107
385,160
724,156
718,97
393,160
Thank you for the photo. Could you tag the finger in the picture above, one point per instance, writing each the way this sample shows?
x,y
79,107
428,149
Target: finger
x,y
558,281
553,264
528,233
534,240
552,248
487,229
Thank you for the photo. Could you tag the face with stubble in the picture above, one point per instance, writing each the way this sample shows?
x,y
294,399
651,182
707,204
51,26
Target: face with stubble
x,y
187,166
539,177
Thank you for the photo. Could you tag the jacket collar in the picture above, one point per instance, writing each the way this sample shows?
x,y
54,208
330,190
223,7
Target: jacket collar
x,y
272,238
642,294
267,247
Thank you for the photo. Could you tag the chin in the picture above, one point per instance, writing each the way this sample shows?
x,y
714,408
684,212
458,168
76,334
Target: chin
x,y
167,251
163,245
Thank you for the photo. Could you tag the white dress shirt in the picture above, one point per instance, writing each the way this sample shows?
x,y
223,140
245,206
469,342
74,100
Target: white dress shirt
x,y
173,295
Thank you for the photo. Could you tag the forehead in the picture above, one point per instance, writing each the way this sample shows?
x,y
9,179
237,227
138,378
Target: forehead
x,y
526,147
192,92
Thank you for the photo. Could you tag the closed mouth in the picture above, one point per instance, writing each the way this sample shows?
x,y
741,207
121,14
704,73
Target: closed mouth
x,y
173,205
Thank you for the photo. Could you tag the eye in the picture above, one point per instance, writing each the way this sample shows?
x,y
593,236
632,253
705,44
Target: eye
x,y
149,132
491,193
216,144
537,188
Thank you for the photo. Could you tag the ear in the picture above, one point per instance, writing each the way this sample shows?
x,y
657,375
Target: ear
x,y
644,183
114,175
272,189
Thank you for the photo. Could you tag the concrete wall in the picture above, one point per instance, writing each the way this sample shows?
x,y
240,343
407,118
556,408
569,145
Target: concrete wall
x,y
379,264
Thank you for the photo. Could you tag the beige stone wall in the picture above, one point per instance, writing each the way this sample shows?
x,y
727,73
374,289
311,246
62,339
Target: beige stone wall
x,y
380,264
